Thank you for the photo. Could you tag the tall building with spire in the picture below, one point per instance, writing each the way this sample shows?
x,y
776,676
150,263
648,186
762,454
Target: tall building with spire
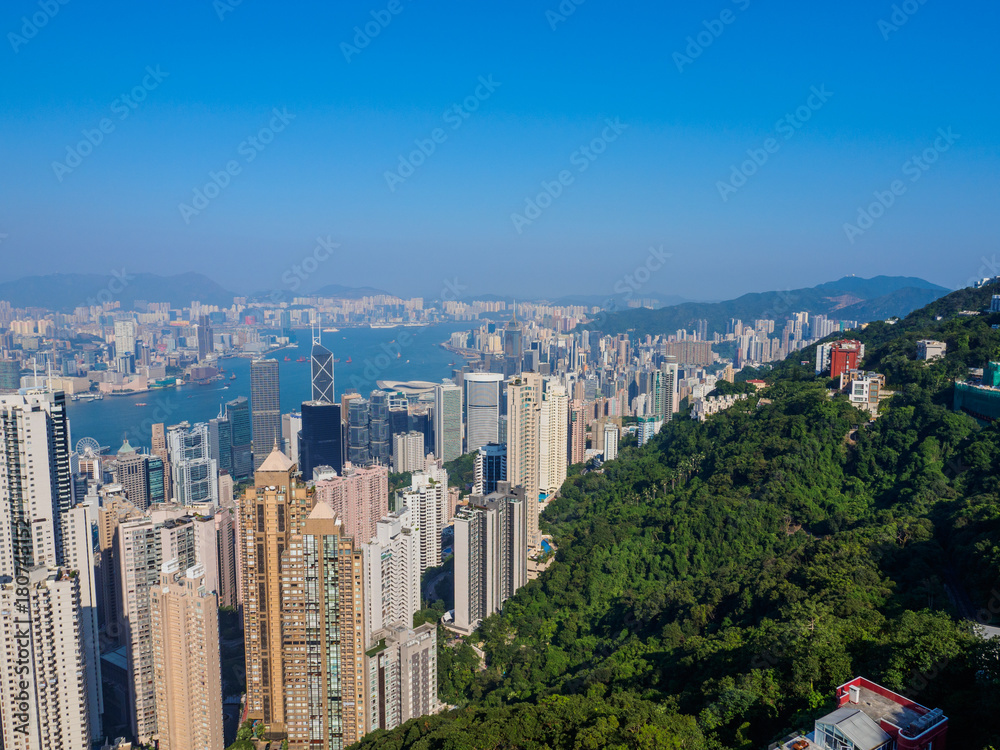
x,y
322,370
265,408
303,606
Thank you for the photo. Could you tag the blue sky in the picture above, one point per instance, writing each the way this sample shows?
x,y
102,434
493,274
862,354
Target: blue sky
x,y
687,116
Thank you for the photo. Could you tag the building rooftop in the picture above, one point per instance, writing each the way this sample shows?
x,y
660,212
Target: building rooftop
x,y
276,462
878,707
862,730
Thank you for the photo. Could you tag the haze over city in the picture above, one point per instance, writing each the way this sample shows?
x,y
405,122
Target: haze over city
x,y
570,375
691,110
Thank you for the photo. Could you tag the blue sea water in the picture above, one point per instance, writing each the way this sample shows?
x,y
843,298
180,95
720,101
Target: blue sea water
x,y
376,354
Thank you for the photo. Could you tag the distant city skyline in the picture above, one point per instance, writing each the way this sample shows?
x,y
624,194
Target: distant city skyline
x,y
399,149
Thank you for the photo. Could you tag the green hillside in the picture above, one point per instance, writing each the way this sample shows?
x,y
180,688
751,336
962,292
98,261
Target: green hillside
x,y
713,587
850,298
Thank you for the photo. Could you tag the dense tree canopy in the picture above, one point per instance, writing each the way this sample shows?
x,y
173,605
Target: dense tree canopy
x,y
712,588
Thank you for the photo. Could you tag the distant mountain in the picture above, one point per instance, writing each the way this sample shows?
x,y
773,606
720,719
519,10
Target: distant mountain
x,y
66,291
347,292
663,300
850,298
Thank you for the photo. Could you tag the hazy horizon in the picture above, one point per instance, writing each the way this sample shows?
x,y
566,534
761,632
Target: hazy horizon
x,y
427,143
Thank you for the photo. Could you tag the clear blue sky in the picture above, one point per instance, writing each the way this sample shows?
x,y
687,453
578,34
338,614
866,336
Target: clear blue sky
x,y
657,183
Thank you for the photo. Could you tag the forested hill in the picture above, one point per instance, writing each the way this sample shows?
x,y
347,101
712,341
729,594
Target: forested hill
x,y
849,298
712,588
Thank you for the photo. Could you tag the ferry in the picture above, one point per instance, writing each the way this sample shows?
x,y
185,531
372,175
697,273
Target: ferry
x,y
141,403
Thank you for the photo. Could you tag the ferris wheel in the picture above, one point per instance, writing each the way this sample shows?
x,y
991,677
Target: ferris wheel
x,y
88,447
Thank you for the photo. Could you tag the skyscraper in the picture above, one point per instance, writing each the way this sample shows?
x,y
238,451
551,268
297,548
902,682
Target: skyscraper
x,y
524,398
132,473
482,409
513,345
610,441
159,449
291,426
392,573
321,438
303,614
265,406
447,421
323,636
238,414
552,438
408,452
322,371
206,344
402,675
490,468
184,621
43,670
35,482
125,343
220,440
577,432
359,497
142,547
79,527
491,554
427,500
195,473
358,443
379,430
270,514
666,401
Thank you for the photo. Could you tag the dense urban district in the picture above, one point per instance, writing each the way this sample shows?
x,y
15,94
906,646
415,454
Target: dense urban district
x,y
777,527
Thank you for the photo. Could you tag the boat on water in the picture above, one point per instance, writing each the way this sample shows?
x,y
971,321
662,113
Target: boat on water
x,y
233,376
348,360
288,359
141,403
302,359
